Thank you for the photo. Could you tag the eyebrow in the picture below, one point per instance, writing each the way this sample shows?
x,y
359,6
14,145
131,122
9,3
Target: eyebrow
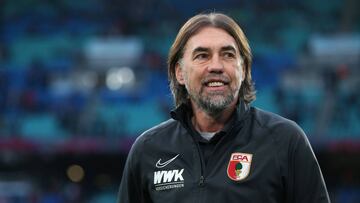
x,y
228,48
201,49
204,49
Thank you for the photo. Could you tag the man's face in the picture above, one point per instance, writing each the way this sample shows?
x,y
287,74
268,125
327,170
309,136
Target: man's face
x,y
211,70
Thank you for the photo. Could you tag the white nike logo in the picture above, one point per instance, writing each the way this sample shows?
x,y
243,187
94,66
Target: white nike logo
x,y
162,165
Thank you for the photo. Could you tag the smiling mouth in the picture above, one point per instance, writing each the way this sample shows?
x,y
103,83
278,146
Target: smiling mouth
x,y
215,84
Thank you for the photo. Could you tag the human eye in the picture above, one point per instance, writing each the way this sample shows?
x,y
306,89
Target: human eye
x,y
229,55
201,56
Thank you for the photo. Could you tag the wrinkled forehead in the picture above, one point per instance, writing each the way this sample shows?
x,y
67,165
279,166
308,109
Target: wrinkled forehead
x,y
211,38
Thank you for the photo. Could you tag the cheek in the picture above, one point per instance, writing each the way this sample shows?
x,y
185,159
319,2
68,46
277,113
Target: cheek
x,y
241,76
238,75
189,78
193,76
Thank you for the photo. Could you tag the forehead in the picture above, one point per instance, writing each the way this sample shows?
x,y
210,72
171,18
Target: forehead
x,y
210,37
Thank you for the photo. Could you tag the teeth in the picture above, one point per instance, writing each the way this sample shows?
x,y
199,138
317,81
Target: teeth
x,y
215,84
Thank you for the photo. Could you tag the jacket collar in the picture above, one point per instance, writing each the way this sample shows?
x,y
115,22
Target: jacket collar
x,y
183,112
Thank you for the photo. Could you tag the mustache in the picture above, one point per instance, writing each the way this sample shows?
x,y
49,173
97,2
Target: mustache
x,y
215,77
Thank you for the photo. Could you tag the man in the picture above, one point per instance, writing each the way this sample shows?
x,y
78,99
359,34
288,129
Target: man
x,y
216,148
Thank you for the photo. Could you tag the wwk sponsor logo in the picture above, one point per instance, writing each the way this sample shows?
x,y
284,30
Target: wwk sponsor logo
x,y
168,179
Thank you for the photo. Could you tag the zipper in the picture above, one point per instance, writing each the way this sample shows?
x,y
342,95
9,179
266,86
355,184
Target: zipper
x,y
201,181
202,162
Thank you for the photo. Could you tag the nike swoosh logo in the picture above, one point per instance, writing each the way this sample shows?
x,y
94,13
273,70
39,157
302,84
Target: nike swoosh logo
x,y
162,165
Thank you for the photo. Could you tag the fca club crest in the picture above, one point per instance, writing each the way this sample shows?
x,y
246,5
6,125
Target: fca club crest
x,y
239,166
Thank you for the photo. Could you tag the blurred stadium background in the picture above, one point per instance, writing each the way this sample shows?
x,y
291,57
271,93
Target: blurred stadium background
x,y
80,80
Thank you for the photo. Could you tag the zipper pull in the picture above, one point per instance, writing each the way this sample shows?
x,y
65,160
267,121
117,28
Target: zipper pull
x,y
201,181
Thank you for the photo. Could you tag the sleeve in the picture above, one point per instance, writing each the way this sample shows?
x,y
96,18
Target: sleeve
x,y
306,183
131,189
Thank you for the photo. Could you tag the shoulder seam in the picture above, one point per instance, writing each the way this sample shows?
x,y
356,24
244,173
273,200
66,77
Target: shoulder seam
x,y
157,129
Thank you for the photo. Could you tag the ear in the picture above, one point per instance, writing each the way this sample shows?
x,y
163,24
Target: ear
x,y
179,74
243,73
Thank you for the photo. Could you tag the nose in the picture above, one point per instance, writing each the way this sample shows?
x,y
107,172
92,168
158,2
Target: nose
x,y
216,65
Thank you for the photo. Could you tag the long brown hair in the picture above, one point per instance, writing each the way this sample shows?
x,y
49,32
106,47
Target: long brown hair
x,y
247,91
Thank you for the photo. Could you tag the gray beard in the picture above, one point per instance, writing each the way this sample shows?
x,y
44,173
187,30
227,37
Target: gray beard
x,y
213,105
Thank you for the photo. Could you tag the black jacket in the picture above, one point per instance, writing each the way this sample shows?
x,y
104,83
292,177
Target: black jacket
x,y
272,156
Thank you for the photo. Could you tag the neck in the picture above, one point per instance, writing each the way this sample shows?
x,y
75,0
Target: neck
x,y
203,122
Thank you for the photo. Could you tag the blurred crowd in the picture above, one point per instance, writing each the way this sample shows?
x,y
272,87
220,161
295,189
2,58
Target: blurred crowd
x,y
61,77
